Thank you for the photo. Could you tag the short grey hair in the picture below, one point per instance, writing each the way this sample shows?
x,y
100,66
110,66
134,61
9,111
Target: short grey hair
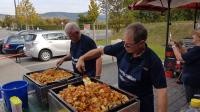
x,y
71,26
137,31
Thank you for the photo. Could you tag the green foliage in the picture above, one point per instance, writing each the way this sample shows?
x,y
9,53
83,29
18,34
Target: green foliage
x,y
8,21
120,16
93,12
148,16
26,14
83,20
157,34
91,17
158,49
182,14
51,24
1,23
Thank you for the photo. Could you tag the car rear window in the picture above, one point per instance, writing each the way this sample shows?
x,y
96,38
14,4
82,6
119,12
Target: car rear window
x,y
29,37
15,39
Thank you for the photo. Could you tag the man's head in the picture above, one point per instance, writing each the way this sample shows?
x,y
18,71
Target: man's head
x,y
196,37
73,31
135,37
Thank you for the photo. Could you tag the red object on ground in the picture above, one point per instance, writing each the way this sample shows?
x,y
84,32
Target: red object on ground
x,y
169,74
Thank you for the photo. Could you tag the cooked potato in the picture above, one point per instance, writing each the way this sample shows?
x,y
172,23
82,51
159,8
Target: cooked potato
x,y
92,97
50,75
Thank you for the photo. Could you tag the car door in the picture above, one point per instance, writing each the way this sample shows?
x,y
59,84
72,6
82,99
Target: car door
x,y
29,39
58,43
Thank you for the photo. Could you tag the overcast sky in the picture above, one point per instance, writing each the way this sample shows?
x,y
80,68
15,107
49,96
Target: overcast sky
x,y
42,6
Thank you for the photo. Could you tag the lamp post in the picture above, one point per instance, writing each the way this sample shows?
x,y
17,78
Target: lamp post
x,y
15,12
106,22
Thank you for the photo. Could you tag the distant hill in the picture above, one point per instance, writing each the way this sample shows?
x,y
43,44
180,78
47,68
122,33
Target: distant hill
x,y
71,16
2,16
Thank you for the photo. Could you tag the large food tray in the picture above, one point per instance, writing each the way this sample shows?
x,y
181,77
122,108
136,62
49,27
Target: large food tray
x,y
41,91
57,104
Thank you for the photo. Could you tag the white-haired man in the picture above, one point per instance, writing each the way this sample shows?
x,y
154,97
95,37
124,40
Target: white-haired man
x,y
81,44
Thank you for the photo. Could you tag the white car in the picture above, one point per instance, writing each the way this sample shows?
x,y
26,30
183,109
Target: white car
x,y
46,44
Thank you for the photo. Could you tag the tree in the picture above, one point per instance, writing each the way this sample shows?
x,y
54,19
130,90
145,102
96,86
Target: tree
x,y
26,14
8,21
1,23
83,19
93,12
119,15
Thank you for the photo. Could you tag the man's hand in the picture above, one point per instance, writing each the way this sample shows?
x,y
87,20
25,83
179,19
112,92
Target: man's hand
x,y
60,62
80,65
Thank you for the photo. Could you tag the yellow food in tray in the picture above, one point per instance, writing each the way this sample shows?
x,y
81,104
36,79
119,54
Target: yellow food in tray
x,y
92,97
50,75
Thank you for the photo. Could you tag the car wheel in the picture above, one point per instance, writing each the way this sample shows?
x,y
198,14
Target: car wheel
x,y
45,55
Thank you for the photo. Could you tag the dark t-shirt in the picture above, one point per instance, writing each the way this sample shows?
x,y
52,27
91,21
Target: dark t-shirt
x,y
191,68
80,48
138,75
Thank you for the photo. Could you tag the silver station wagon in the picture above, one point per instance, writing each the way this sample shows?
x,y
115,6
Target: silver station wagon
x,y
46,44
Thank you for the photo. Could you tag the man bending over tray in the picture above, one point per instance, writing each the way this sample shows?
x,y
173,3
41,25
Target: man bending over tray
x,y
139,68
80,44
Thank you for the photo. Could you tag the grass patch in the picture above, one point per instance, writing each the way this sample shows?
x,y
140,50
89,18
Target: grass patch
x,y
158,49
102,42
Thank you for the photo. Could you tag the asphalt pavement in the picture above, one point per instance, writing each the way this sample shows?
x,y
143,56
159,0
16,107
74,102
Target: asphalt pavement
x,y
10,70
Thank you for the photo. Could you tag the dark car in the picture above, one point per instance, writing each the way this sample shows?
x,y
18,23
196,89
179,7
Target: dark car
x,y
1,46
13,44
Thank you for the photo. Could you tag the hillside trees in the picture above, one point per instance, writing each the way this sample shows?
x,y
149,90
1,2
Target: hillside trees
x,y
120,16
8,21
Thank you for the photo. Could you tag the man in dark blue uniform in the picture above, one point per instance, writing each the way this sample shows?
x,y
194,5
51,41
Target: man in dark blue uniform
x,y
80,44
139,68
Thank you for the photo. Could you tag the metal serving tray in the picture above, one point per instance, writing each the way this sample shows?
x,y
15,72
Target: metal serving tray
x,y
57,104
41,91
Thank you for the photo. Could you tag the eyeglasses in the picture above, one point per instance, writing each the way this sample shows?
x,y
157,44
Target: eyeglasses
x,y
129,45
71,33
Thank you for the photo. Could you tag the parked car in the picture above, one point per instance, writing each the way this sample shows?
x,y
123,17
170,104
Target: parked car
x,y
46,44
1,46
25,32
13,44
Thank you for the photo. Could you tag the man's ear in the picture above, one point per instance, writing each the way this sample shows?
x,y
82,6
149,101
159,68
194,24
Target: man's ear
x,y
142,41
